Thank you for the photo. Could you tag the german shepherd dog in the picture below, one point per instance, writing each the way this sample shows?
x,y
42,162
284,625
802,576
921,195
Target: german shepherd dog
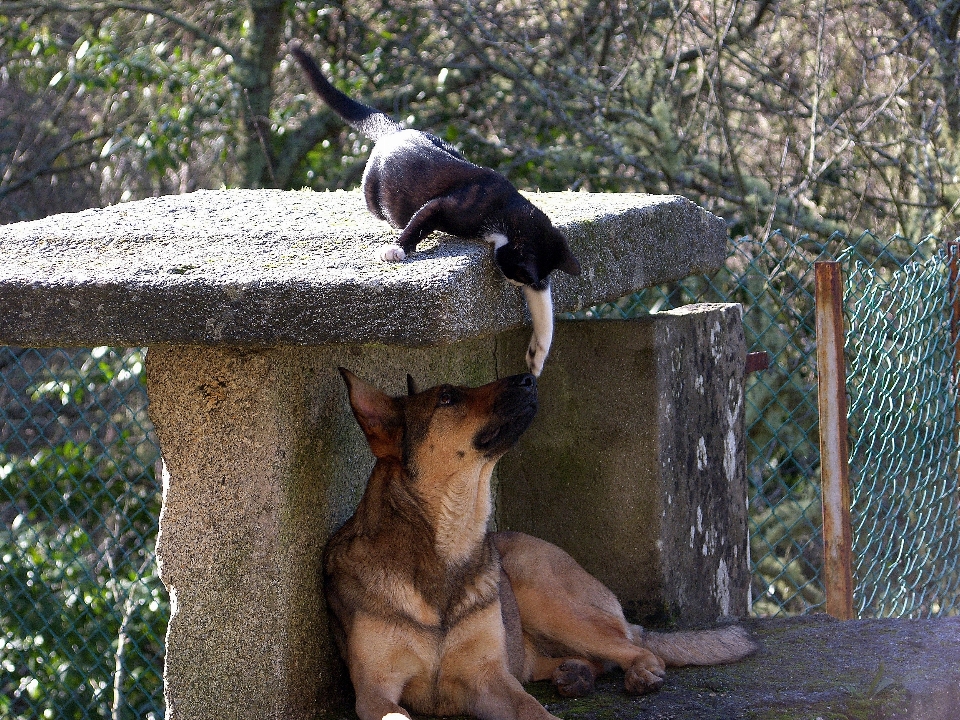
x,y
435,615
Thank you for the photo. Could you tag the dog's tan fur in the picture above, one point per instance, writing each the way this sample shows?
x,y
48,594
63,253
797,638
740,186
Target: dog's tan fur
x,y
435,614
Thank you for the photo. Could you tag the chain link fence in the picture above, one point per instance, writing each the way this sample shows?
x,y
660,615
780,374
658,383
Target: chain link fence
x,y
82,611
774,281
903,424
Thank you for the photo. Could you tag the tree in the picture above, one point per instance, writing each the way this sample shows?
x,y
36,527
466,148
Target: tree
x,y
775,114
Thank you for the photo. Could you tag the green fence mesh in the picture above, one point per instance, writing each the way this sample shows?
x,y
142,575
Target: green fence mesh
x,y
903,453
774,281
82,612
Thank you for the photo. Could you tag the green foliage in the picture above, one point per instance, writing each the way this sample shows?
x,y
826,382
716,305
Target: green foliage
x,y
124,99
82,611
796,115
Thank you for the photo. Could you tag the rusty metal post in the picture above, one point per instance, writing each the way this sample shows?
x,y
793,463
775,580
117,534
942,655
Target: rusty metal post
x,y
834,454
953,288
953,259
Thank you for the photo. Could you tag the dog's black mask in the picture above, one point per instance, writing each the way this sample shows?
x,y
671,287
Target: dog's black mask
x,y
513,411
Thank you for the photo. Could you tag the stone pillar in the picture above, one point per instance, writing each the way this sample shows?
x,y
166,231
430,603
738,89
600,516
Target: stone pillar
x,y
263,461
635,463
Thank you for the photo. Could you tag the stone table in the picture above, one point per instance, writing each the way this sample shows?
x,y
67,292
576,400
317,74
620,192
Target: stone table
x,y
248,302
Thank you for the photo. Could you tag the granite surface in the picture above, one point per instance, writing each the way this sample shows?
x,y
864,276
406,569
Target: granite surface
x,y
269,267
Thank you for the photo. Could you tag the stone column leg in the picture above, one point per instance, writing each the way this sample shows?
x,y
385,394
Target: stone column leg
x,y
636,461
263,462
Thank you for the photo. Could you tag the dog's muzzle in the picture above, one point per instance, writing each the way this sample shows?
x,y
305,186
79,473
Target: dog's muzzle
x,y
513,410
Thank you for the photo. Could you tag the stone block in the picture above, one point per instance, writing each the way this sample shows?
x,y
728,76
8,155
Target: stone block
x,y
635,463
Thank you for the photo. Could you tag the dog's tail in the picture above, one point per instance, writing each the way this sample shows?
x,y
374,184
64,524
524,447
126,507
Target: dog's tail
x,y
372,123
697,647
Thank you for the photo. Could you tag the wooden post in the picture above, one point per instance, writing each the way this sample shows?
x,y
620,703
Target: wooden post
x,y
834,460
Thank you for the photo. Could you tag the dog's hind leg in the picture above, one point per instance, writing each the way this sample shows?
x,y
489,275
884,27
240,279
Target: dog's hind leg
x,y
567,613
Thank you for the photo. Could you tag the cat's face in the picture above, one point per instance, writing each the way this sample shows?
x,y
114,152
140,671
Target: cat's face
x,y
530,258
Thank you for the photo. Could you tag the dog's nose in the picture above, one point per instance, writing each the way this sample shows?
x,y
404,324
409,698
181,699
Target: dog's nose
x,y
526,380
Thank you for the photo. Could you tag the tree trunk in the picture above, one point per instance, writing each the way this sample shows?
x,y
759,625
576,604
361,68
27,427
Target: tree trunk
x,y
253,71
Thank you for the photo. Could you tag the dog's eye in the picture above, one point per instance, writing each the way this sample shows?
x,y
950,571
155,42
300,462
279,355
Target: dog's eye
x,y
446,398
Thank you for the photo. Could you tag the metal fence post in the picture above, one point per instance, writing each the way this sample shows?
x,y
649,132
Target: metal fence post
x,y
953,288
834,453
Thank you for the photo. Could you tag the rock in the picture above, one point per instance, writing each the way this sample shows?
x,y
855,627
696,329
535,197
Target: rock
x,y
267,267
809,667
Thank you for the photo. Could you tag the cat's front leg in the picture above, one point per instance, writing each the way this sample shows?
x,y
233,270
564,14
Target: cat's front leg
x,y
391,252
540,303
423,222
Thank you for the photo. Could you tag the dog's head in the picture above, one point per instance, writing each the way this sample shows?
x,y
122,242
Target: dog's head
x,y
453,425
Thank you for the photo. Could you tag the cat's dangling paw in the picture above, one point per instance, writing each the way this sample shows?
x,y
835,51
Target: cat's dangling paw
x,y
536,355
391,253
540,303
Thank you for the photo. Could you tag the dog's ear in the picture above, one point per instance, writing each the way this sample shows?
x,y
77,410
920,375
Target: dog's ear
x,y
411,385
378,415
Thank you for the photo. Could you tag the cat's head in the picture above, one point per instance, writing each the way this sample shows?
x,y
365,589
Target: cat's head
x,y
533,251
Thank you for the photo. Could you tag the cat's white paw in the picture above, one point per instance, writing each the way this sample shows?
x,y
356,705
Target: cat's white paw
x,y
540,303
391,253
536,355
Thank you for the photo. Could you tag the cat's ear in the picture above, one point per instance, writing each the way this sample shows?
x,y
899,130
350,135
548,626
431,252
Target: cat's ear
x,y
565,259
568,263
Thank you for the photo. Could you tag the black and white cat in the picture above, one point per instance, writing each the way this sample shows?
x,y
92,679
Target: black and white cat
x,y
416,181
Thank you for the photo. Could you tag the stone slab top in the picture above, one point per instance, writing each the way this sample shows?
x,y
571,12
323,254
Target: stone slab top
x,y
269,267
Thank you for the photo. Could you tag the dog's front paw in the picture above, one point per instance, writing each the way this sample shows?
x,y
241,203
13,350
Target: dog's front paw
x,y
645,675
391,253
536,355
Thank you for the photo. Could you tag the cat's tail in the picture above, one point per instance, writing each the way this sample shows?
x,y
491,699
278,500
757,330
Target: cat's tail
x,y
697,647
372,123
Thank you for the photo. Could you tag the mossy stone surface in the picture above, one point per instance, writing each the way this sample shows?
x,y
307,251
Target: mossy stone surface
x,y
269,267
809,668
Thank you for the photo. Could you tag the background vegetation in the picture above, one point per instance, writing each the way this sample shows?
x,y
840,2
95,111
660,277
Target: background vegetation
x,y
82,611
800,115
807,117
